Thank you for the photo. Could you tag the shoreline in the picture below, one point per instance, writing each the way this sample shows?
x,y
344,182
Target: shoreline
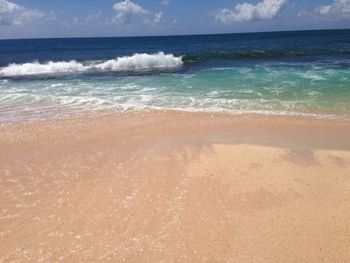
x,y
168,186
232,113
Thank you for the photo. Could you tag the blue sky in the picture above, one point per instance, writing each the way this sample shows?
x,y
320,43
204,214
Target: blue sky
x,y
88,18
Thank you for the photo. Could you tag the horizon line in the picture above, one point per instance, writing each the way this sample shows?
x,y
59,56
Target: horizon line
x,y
182,35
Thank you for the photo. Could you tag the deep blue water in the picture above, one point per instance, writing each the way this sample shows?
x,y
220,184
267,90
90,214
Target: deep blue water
x,y
305,72
308,45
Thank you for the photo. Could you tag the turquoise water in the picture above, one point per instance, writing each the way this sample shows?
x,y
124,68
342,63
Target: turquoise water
x,y
272,80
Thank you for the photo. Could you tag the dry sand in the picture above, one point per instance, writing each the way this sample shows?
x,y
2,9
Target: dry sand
x,y
175,187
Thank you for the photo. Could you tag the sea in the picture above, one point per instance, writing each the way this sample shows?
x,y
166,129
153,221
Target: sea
x,y
277,73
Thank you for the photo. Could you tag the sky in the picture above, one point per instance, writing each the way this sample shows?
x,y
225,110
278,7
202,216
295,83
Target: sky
x,y
101,18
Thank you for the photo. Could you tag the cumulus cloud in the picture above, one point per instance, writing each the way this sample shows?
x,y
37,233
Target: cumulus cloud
x,y
92,18
165,2
338,9
126,11
265,10
158,17
13,14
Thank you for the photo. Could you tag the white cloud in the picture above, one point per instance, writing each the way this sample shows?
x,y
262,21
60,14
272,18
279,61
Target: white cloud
x,y
93,17
338,9
13,14
158,17
126,11
165,2
265,10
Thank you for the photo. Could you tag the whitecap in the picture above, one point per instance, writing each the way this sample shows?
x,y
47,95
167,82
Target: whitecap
x,y
141,61
37,68
128,63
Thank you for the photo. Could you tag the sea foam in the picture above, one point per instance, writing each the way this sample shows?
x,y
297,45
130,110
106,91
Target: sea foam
x,y
128,63
37,68
141,61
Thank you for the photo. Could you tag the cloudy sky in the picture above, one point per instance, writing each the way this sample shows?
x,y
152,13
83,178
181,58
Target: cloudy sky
x,y
88,18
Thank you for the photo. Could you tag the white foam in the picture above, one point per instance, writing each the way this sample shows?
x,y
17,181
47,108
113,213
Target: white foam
x,y
37,68
141,61
128,63
312,76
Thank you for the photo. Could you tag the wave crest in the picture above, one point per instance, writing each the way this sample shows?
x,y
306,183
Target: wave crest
x,y
141,61
37,68
128,63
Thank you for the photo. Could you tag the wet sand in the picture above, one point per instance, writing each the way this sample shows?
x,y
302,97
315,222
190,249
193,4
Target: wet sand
x,y
166,186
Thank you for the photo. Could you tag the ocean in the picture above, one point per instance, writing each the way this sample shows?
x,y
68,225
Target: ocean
x,y
279,73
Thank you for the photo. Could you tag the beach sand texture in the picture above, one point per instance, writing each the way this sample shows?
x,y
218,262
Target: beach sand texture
x,y
167,186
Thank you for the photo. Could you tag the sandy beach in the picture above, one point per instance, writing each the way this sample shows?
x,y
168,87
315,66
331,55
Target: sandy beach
x,y
167,186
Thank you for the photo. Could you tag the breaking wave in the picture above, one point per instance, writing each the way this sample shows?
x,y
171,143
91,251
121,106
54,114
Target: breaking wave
x,y
128,63
36,68
141,61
